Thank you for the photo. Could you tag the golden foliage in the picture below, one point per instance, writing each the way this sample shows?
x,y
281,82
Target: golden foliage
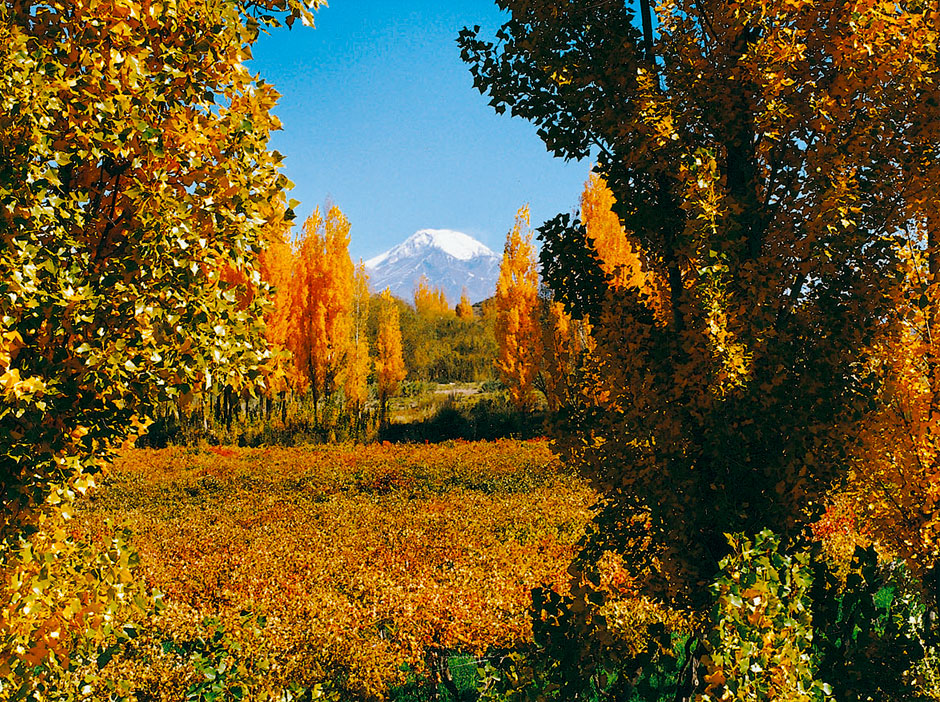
x,y
389,363
136,192
362,558
359,365
321,303
894,487
67,596
276,263
136,195
621,256
430,301
517,309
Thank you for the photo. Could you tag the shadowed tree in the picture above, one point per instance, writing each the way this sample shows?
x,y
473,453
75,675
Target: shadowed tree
x,y
769,161
464,309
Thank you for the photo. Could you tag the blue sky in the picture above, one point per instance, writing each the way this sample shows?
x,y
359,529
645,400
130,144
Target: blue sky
x,y
380,116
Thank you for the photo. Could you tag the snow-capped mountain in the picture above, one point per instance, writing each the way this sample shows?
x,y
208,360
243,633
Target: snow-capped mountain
x,y
451,261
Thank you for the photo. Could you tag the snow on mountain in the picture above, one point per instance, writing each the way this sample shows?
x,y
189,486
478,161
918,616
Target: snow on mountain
x,y
451,260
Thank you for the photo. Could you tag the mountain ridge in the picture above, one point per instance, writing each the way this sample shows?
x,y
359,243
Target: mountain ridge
x,y
451,260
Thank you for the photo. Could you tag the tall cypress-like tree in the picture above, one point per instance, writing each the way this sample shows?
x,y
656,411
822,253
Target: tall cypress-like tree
x,y
517,307
359,365
389,362
321,304
276,265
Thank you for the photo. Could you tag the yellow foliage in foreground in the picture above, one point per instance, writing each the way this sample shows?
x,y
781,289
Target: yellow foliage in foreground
x,y
362,558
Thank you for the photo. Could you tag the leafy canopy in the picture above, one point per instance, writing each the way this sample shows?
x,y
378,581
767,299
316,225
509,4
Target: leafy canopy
x,y
136,186
764,158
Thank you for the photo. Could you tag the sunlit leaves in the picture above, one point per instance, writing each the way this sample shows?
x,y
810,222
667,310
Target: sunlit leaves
x,y
759,646
389,364
361,557
517,308
321,303
71,601
136,191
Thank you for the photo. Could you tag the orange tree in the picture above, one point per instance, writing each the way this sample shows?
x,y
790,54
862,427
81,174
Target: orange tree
x,y
765,158
321,304
517,308
276,265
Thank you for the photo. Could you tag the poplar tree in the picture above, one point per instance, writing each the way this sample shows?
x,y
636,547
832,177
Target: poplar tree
x,y
430,301
516,327
356,377
321,304
774,166
276,264
618,255
464,309
389,362
137,187
135,171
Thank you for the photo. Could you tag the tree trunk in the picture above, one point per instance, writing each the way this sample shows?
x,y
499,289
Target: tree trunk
x,y
932,359
436,660
689,680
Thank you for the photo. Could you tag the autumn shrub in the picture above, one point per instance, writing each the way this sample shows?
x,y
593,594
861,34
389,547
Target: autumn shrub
x,y
760,639
415,388
782,627
83,623
800,627
874,638
489,386
624,646
576,657
181,654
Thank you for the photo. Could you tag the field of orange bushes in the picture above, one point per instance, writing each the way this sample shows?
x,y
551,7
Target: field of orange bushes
x,y
366,561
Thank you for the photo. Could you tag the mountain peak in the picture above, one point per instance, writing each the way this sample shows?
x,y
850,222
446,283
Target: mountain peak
x,y
457,244
450,259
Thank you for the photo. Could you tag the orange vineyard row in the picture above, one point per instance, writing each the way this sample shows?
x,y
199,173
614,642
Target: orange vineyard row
x,y
361,558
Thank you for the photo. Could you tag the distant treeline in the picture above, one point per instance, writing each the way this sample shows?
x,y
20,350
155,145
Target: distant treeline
x,y
439,346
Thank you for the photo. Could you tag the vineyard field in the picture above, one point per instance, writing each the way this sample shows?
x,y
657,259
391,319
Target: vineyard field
x,y
366,562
